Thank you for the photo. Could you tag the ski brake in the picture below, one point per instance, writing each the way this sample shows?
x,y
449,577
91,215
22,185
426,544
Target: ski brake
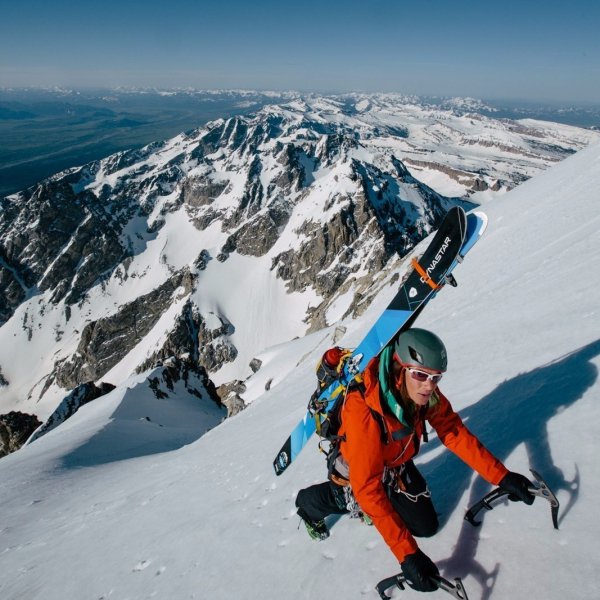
x,y
457,590
540,489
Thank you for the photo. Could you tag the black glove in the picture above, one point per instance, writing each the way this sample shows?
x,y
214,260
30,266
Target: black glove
x,y
419,570
517,486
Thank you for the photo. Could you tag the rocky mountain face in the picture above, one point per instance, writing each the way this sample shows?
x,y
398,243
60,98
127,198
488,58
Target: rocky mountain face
x,y
224,240
15,428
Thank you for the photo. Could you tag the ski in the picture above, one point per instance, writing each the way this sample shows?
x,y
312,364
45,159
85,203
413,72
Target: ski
x,y
457,234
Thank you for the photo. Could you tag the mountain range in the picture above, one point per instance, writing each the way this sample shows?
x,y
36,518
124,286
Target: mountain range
x,y
213,246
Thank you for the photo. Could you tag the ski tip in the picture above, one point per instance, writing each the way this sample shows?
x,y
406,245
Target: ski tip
x,y
483,221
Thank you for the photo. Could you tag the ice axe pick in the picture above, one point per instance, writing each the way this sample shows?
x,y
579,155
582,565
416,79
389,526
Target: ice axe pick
x,y
540,488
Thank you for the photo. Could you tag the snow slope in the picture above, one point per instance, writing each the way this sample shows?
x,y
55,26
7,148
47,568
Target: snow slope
x,y
210,520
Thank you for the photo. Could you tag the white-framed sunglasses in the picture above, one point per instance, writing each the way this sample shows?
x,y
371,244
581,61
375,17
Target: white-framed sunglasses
x,y
422,376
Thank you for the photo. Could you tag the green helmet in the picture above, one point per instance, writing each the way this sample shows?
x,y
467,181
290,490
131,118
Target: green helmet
x,y
421,347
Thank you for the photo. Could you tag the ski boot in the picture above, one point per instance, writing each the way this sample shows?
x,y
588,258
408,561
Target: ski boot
x,y
317,530
366,519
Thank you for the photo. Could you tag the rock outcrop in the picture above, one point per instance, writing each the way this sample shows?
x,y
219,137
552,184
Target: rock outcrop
x,y
15,430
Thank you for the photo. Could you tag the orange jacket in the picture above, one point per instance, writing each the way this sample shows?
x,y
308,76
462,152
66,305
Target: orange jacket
x,y
367,455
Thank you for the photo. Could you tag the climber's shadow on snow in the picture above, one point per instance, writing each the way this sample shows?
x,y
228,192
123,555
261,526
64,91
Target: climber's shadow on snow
x,y
516,412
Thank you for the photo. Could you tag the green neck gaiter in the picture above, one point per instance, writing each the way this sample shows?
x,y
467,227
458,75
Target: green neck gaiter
x,y
385,362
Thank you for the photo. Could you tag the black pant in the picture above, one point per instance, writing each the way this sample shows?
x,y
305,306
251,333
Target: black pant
x,y
418,513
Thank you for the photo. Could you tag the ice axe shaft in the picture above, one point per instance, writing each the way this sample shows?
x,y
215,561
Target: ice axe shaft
x,y
540,489
457,590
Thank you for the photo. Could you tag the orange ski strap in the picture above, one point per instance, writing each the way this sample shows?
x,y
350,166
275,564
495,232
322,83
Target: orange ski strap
x,y
421,271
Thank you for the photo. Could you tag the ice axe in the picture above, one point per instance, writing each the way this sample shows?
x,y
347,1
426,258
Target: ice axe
x,y
457,590
540,489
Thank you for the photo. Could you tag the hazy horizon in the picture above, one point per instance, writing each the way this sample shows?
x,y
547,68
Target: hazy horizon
x,y
521,51
514,101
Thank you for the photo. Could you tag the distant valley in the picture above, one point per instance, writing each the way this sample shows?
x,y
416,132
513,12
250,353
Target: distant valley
x,y
46,131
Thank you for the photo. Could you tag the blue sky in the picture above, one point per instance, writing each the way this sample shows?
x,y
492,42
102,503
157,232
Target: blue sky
x,y
540,50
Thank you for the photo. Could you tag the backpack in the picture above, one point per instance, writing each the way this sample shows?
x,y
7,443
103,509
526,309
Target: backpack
x,y
328,424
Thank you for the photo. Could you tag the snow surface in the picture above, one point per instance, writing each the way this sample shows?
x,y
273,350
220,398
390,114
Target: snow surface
x,y
102,507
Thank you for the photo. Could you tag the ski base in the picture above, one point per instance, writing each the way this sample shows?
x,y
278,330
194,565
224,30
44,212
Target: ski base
x,y
455,237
